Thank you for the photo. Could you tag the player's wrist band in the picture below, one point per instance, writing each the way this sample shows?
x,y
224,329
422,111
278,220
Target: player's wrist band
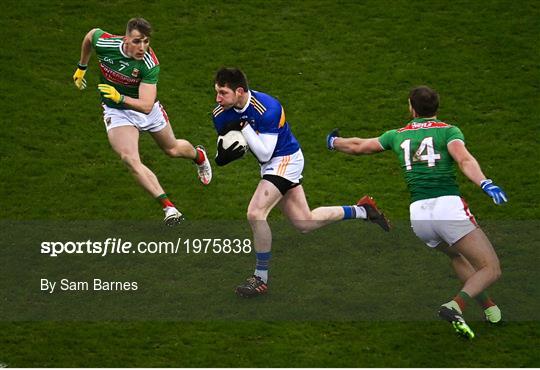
x,y
122,98
331,144
82,67
485,182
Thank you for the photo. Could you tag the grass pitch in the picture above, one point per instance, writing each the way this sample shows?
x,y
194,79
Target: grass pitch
x,y
332,64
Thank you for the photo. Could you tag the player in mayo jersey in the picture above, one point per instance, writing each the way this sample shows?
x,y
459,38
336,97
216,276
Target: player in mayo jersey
x,y
129,76
427,149
261,119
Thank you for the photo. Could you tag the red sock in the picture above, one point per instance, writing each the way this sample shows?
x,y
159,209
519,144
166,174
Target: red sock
x,y
164,200
487,304
485,300
199,159
460,299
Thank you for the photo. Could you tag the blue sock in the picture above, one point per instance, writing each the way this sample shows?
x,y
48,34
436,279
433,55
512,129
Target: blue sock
x,y
261,269
351,212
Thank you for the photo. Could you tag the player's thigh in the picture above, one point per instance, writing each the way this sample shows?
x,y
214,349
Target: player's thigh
x,y
265,197
294,204
422,222
477,249
124,140
450,251
165,138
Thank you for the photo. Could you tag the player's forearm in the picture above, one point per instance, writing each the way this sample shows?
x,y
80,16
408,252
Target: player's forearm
x,y
472,170
141,105
261,145
86,48
352,145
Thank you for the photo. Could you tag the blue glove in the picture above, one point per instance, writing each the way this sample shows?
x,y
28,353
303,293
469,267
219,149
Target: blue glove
x,y
331,137
495,192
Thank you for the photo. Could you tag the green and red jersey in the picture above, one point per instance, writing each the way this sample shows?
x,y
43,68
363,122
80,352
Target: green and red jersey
x,y
421,146
120,70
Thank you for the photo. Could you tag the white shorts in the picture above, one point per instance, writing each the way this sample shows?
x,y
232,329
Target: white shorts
x,y
154,121
445,218
289,167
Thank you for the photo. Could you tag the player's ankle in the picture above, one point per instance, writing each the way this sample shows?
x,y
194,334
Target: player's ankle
x,y
199,156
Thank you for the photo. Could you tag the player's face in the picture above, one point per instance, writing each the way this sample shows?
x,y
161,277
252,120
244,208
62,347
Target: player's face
x,y
136,44
226,97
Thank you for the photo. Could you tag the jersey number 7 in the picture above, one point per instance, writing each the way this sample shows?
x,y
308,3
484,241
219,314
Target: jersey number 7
x,y
424,153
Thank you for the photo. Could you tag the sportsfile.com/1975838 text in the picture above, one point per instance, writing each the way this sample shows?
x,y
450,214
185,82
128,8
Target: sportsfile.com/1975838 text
x,y
119,246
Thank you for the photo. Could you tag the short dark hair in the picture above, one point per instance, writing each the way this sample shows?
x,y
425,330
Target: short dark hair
x,y
424,100
139,24
232,78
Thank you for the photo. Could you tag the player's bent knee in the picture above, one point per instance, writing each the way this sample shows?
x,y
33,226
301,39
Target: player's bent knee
x,y
302,227
132,162
255,215
496,272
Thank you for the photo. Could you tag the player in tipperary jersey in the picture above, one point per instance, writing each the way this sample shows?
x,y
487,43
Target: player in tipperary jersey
x,y
261,119
427,149
129,77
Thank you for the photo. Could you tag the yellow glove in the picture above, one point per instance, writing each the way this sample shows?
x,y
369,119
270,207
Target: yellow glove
x,y
78,78
110,92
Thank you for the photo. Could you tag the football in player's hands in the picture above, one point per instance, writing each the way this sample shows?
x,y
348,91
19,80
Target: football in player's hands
x,y
231,138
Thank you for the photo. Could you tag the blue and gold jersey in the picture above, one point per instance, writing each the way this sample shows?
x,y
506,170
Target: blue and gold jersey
x,y
266,116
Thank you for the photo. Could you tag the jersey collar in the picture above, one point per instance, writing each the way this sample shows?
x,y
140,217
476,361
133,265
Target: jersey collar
x,y
245,106
121,47
419,120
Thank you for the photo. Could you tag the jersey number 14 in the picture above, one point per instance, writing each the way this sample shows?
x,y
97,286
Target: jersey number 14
x,y
424,153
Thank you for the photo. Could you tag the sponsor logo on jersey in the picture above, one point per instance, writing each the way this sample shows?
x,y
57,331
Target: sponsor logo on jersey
x,y
118,78
423,125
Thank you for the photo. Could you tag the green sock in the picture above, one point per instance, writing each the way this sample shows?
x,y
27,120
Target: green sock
x,y
164,200
484,300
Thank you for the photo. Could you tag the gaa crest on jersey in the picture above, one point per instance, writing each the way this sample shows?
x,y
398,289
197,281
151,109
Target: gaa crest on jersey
x,y
135,72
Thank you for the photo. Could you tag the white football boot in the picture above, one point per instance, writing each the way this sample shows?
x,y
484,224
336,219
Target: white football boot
x,y
493,315
204,169
172,216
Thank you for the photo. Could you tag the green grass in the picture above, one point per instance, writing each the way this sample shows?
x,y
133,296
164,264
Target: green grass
x,y
332,64
263,344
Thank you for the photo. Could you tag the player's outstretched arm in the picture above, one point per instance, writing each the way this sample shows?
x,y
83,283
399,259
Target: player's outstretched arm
x,y
352,145
86,52
470,168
